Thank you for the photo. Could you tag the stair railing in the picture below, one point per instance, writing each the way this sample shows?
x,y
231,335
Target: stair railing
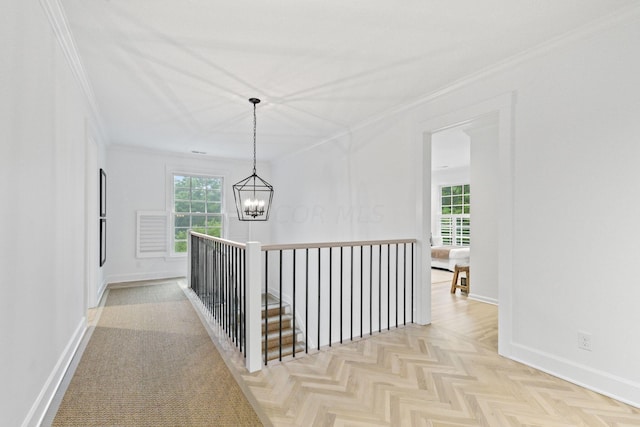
x,y
341,290
225,276
346,290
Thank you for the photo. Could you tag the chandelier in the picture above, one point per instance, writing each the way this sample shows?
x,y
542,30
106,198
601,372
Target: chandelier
x,y
253,194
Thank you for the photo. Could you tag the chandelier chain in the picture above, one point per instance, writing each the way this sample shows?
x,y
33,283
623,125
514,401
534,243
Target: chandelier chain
x,y
254,139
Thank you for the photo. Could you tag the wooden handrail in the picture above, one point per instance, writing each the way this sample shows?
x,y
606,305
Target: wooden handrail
x,y
218,239
287,246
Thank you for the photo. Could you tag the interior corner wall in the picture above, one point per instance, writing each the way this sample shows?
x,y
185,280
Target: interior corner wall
x,y
484,211
575,229
138,182
43,116
352,187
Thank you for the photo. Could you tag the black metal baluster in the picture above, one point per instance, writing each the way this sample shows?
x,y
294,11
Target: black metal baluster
x,y
388,287
397,307
266,306
319,294
330,291
341,294
306,302
230,291
404,283
379,288
234,284
351,298
280,315
227,297
220,279
218,284
295,334
215,292
203,266
236,313
412,247
244,301
361,287
370,289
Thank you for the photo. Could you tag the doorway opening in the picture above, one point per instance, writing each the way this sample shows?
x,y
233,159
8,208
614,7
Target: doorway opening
x,y
489,128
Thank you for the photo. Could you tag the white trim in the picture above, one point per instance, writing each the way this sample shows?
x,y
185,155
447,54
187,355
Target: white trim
x,y
483,299
503,105
58,20
43,401
601,382
422,265
136,277
101,290
253,340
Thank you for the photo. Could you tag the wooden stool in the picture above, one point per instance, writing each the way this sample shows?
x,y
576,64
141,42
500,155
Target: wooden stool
x,y
456,272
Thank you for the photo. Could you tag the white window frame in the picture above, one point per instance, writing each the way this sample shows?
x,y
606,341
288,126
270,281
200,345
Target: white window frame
x,y
458,238
170,203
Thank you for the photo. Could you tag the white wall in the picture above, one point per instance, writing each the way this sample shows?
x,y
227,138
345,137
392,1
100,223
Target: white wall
x,y
574,167
356,186
43,135
138,182
485,196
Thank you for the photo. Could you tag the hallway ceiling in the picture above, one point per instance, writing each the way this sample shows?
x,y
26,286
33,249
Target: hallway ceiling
x,y
175,75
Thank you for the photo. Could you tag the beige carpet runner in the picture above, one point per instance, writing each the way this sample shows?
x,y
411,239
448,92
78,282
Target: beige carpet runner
x,y
150,362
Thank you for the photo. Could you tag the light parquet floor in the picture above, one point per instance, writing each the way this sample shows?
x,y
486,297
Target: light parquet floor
x,y
444,374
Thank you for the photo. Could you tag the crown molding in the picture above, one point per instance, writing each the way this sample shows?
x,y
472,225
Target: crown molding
x,y
626,15
58,20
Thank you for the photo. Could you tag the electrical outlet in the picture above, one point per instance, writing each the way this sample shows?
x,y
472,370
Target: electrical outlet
x,y
584,341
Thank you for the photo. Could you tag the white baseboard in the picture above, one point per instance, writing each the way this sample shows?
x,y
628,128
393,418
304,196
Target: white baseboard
x,y
40,406
482,298
103,287
136,277
593,379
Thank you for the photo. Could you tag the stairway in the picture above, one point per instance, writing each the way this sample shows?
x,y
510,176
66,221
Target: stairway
x,y
273,336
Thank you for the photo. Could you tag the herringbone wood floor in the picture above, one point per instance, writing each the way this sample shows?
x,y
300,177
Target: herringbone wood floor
x,y
445,374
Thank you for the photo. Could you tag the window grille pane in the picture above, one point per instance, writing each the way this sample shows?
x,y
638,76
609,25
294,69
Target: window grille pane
x,y
181,233
182,206
455,227
197,221
197,207
181,181
198,194
182,220
193,198
214,207
182,194
214,221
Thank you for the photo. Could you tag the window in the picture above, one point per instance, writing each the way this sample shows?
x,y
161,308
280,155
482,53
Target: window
x,y
197,206
455,210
